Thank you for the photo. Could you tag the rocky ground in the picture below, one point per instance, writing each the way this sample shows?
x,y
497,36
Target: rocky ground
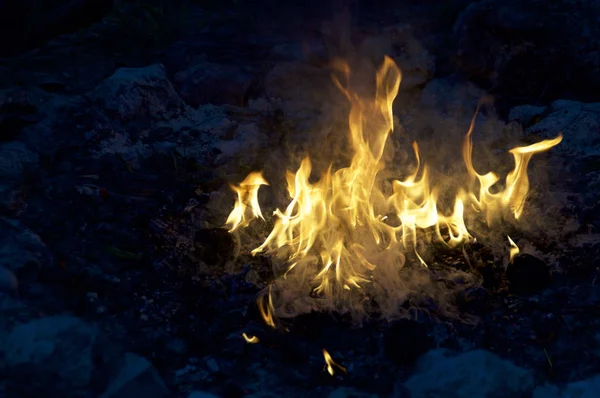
x,y
117,145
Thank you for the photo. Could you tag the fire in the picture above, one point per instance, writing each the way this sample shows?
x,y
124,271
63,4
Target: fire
x,y
250,339
331,364
341,232
247,207
514,249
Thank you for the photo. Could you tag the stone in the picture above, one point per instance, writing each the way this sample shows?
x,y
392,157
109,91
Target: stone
x,y
201,394
8,281
212,83
15,159
525,114
345,392
50,355
521,46
139,93
578,122
476,374
415,61
579,389
450,95
22,250
136,377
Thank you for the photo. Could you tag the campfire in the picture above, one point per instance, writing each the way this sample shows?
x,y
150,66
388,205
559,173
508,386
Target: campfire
x,y
353,241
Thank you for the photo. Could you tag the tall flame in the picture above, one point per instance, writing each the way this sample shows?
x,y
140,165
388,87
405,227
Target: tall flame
x,y
336,231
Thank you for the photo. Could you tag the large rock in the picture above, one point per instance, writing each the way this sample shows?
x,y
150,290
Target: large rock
x,y
138,94
578,122
16,161
580,389
193,134
451,96
532,48
575,161
476,374
207,82
52,355
415,61
136,377
21,250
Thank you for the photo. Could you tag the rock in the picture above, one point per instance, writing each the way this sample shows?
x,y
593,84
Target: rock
x,y
477,374
139,93
212,83
49,355
246,146
201,394
192,134
523,44
345,392
305,93
416,63
525,114
15,158
21,250
8,281
578,122
579,389
547,391
136,377
450,95
18,108
527,275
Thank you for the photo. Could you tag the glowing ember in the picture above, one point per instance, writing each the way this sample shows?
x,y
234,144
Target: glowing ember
x,y
351,228
331,364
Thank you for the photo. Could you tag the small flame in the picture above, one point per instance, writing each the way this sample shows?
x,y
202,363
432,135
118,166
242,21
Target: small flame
x,y
514,249
250,340
265,307
246,207
335,232
331,364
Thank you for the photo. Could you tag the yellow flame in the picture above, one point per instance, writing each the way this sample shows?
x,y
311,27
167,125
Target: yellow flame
x,y
265,307
331,364
250,340
514,249
336,231
246,207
